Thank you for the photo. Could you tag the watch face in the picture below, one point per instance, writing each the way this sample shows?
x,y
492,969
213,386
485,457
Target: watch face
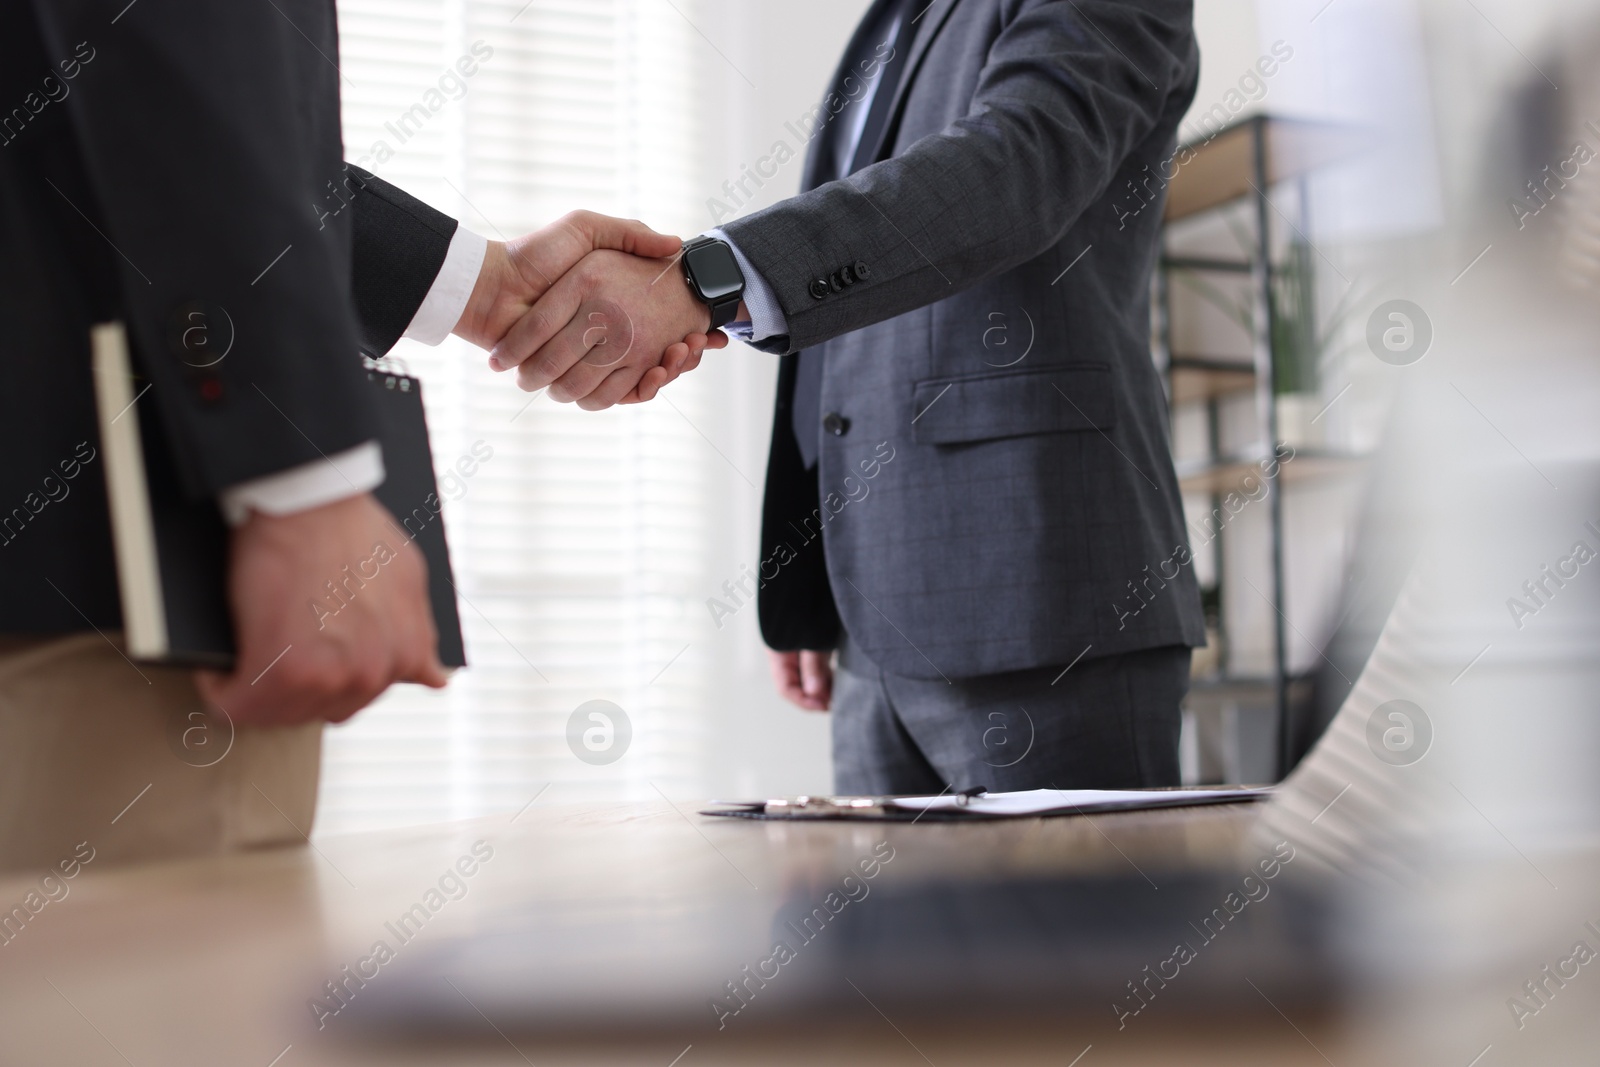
x,y
715,271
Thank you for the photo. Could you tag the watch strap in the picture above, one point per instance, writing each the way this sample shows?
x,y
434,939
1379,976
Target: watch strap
x,y
725,312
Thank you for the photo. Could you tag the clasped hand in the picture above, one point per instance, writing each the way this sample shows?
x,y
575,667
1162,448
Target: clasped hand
x,y
594,309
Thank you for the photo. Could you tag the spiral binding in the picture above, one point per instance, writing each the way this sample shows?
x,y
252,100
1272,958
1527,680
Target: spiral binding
x,y
393,369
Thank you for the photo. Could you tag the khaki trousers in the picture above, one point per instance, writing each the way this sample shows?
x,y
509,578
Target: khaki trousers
x,y
126,760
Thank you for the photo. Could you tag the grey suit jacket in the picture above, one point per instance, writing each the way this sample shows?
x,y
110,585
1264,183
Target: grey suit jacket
x,y
995,489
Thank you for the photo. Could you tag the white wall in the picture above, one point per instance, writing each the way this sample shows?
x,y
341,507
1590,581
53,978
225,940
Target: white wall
x,y
1228,48
763,65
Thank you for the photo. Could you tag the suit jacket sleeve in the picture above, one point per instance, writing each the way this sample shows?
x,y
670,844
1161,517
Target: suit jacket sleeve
x,y
210,137
400,244
1070,88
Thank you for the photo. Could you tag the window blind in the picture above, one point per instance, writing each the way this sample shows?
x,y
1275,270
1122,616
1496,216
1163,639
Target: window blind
x,y
578,539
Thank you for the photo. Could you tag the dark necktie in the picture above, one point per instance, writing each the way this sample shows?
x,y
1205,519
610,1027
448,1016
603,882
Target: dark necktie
x,y
806,410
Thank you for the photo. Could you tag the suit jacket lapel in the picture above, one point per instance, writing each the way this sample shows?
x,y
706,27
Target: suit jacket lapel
x,y
931,18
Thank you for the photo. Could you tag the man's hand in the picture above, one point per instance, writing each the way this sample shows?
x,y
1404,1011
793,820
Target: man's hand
x,y
596,333
804,679
517,273
330,606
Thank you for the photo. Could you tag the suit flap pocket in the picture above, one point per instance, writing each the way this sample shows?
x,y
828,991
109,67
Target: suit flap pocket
x,y
1013,404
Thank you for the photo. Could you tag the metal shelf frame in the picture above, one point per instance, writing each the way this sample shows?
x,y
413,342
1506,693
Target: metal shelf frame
x,y
1244,162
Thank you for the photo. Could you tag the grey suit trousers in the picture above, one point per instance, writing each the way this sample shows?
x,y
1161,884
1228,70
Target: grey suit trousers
x,y
1105,723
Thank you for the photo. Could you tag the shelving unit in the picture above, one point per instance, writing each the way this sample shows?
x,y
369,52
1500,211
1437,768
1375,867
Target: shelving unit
x,y
1243,163
1226,474
1194,378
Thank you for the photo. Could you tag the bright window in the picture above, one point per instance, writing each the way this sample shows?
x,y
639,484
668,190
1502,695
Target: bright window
x,y
581,545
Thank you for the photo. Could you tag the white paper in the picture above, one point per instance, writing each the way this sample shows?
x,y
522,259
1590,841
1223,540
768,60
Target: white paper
x,y
1042,801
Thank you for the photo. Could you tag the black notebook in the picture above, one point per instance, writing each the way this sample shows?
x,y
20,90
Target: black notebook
x,y
172,550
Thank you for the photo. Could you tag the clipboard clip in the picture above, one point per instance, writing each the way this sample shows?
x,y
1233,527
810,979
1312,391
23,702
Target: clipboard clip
x,y
967,796
808,806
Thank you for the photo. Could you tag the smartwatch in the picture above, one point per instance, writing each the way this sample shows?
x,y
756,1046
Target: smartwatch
x,y
714,277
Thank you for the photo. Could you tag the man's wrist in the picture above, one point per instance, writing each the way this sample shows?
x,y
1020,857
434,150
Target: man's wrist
x,y
760,307
441,310
699,313
322,481
715,278
471,326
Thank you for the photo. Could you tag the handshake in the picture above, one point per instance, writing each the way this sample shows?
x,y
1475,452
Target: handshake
x,y
594,309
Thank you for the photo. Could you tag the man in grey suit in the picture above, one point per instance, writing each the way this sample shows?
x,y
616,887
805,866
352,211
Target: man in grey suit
x,y
970,496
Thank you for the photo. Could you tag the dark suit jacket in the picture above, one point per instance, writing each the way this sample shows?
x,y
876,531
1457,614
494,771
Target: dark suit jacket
x,y
182,160
1028,496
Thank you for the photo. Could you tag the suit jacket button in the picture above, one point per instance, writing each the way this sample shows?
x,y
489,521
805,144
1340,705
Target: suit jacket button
x,y
848,273
820,288
861,271
836,282
836,424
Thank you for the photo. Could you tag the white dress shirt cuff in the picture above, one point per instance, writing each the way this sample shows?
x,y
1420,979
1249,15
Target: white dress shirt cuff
x,y
447,298
310,485
766,317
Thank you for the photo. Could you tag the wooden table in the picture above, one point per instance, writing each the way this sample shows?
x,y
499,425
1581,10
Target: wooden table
x,y
213,961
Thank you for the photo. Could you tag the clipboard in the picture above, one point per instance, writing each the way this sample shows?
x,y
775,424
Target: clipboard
x,y
980,804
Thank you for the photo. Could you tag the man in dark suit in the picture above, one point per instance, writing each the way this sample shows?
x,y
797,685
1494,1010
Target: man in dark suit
x,y
970,495
167,165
